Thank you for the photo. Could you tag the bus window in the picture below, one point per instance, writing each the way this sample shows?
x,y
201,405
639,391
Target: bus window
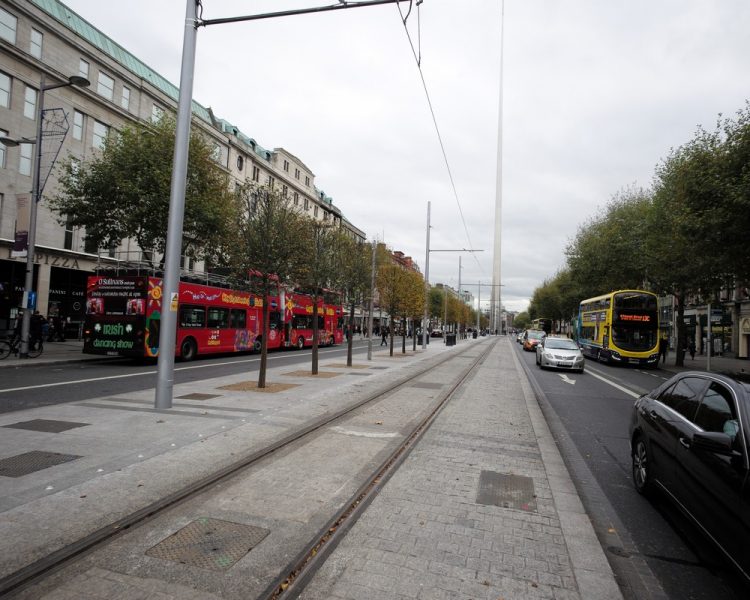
x,y
274,320
238,318
321,322
192,316
218,318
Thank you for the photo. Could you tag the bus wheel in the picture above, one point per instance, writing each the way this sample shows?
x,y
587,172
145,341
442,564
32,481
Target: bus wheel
x,y
300,342
332,341
188,350
258,344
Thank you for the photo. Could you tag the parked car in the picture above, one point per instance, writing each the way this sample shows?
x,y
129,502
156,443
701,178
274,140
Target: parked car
x,y
436,333
531,337
560,353
689,439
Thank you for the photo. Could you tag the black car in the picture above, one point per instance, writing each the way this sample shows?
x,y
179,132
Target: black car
x,y
689,438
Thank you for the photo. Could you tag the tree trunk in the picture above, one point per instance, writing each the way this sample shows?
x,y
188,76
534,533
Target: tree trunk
x,y
350,341
315,335
264,340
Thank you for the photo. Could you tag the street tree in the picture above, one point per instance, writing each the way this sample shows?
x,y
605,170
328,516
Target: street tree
x,y
268,249
391,283
123,193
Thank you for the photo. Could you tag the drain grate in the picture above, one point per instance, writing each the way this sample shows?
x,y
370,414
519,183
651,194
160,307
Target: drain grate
x,y
380,367
209,544
426,385
46,425
507,491
30,462
198,396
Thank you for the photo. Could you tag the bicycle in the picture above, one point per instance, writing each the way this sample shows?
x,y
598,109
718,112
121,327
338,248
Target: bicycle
x,y
12,345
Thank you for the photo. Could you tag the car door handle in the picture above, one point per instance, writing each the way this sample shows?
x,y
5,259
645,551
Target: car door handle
x,y
685,442
652,414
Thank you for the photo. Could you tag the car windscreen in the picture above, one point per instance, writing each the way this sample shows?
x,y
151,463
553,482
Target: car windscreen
x,y
535,335
560,344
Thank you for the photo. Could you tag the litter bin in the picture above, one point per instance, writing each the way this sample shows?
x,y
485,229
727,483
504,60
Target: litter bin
x,y
450,339
474,334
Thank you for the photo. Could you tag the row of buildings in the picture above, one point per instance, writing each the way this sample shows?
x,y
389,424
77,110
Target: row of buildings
x,y
43,40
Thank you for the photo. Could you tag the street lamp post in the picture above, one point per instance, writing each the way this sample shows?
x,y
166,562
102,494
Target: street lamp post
x,y
36,196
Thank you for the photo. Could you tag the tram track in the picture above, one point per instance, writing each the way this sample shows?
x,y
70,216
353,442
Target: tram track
x,y
292,578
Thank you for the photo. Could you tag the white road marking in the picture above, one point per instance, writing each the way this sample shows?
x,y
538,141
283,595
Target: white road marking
x,y
141,373
615,385
565,378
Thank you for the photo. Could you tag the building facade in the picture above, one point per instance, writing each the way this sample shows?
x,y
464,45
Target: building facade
x,y
43,40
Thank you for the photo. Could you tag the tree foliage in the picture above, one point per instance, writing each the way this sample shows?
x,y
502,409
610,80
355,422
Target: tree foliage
x,y
124,192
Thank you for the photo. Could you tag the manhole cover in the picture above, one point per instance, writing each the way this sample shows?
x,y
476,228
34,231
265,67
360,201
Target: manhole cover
x,y
30,462
426,385
507,491
209,543
46,425
198,396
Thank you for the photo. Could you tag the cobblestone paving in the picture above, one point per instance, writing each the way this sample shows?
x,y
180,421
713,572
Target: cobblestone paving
x,y
426,537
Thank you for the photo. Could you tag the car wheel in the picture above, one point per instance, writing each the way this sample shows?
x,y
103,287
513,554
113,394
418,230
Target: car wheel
x,y
300,342
188,350
642,467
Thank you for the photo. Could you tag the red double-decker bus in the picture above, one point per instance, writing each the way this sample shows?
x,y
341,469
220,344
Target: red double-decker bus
x,y
123,315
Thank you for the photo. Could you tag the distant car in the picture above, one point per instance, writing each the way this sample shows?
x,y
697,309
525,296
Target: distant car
x,y
436,333
560,353
690,438
531,337
519,337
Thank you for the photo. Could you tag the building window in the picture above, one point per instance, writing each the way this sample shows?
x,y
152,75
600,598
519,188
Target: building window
x,y
307,203
77,125
24,161
89,246
296,173
270,182
326,214
29,103
216,153
8,25
240,163
105,86
68,241
315,212
83,68
100,134
2,149
125,100
157,112
286,165
4,90
285,192
307,181
256,173
35,47
296,198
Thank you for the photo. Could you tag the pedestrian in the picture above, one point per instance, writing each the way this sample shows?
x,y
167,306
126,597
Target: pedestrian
x,y
36,329
663,349
384,332
691,349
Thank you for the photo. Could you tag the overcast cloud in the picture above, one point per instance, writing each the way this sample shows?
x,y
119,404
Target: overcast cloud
x,y
596,92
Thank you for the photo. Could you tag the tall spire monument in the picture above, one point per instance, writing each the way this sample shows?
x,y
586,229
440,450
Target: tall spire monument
x,y
495,295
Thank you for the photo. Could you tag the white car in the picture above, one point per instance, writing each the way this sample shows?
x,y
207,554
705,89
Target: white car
x,y
560,353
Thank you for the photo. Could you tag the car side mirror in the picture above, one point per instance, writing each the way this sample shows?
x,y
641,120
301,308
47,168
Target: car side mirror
x,y
713,441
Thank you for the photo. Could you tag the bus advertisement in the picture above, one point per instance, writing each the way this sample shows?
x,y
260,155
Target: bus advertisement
x,y
123,317
621,327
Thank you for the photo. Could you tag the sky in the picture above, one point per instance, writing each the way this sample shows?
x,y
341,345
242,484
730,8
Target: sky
x,y
594,93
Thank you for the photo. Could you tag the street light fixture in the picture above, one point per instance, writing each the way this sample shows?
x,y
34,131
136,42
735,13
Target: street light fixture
x,y
36,196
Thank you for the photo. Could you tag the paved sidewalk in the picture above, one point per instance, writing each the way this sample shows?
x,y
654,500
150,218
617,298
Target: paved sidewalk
x,y
483,508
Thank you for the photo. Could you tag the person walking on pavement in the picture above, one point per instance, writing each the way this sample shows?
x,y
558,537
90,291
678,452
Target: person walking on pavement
x,y
384,332
663,349
691,349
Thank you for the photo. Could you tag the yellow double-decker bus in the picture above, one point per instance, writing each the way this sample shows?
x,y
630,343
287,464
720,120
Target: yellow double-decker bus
x,y
621,327
544,325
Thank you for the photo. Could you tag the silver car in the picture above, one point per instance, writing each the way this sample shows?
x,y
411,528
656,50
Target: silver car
x,y
559,353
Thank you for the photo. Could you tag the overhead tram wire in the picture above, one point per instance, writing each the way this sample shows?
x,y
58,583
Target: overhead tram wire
x,y
418,59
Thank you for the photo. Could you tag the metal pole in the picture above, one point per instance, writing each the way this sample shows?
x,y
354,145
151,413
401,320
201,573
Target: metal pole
x,y
372,301
458,326
167,337
426,282
31,250
479,304
445,316
496,307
